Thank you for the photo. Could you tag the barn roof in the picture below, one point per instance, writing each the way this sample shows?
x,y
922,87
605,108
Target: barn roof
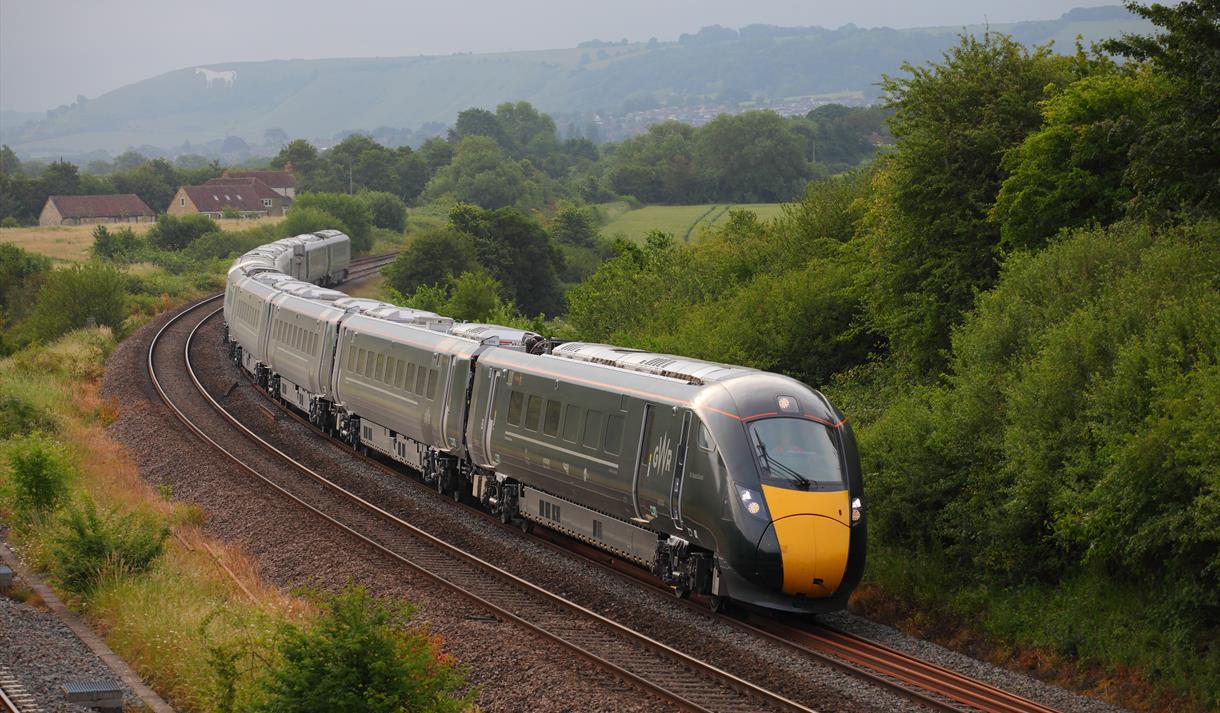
x,y
275,179
124,205
245,194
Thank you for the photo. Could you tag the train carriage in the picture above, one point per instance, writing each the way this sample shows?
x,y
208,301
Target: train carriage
x,y
299,348
402,387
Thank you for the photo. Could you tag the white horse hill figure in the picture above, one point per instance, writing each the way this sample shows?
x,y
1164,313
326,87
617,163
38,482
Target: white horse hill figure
x,y
228,76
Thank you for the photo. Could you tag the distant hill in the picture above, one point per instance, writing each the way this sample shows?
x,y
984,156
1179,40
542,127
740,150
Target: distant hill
x,y
322,98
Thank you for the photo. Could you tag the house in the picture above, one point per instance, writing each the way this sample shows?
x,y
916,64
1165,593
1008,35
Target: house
x,y
282,182
247,196
81,210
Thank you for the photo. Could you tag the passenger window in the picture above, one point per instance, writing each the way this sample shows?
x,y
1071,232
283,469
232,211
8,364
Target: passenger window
x,y
391,366
705,440
551,425
593,429
432,383
532,411
515,401
360,362
399,372
351,358
380,367
421,378
571,424
614,434
410,380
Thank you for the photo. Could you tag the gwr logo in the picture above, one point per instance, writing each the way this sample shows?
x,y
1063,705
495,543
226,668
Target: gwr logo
x,y
661,457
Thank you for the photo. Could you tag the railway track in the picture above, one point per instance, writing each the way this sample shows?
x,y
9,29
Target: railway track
x,y
13,698
686,681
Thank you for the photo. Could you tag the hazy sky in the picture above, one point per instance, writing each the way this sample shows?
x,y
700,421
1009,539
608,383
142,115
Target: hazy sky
x,y
53,50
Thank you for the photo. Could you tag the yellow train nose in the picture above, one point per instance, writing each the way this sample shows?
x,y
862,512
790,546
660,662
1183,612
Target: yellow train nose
x,y
814,533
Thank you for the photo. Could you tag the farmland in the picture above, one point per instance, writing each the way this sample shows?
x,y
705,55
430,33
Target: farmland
x,y
71,243
682,221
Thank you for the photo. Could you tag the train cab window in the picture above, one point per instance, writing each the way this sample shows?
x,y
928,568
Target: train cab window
x,y
516,400
421,379
351,358
614,434
550,426
380,368
432,383
593,429
571,423
533,410
705,439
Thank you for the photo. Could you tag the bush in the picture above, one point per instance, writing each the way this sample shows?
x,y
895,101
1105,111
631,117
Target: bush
x,y
230,213
358,657
91,545
222,245
72,297
303,219
119,245
432,258
39,474
174,233
352,212
20,417
388,210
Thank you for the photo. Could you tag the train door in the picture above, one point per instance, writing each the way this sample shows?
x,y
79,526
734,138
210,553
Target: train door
x,y
489,418
661,463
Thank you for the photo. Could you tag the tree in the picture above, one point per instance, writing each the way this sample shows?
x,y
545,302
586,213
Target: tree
x,y
359,657
934,244
353,212
481,174
387,210
479,122
575,226
515,250
751,157
61,179
1176,163
300,154
1071,171
432,258
9,163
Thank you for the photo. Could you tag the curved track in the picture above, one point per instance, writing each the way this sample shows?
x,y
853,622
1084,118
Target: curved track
x,y
686,681
928,684
630,655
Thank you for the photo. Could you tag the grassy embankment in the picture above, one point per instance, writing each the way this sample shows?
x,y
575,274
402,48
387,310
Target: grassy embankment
x,y
194,619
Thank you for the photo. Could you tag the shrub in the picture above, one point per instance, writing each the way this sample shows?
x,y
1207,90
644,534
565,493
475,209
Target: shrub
x,y
222,245
10,222
39,474
388,210
303,219
72,297
119,245
92,545
176,232
20,417
230,213
358,657
352,212
432,258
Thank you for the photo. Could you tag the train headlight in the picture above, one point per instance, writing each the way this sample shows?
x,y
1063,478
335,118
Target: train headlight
x,y
857,510
753,503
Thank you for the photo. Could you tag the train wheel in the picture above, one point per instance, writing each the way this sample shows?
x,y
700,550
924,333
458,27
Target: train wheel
x,y
527,526
681,591
717,604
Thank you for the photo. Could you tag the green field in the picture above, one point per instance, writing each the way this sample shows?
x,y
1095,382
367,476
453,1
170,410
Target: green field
x,y
682,221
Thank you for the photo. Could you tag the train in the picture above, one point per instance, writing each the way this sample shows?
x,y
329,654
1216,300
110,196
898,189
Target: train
x,y
729,482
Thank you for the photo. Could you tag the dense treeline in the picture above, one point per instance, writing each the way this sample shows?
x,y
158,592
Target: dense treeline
x,y
515,157
1019,307
155,181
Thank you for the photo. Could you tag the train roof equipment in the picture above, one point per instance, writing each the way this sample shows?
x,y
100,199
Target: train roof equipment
x,y
694,371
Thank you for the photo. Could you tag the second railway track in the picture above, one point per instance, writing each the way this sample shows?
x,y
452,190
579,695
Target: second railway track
x,y
686,681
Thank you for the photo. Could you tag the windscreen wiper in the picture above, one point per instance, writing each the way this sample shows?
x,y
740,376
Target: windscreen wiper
x,y
774,465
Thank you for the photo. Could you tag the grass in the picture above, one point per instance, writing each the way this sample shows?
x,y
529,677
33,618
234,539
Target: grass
x,y
682,221
165,622
71,243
